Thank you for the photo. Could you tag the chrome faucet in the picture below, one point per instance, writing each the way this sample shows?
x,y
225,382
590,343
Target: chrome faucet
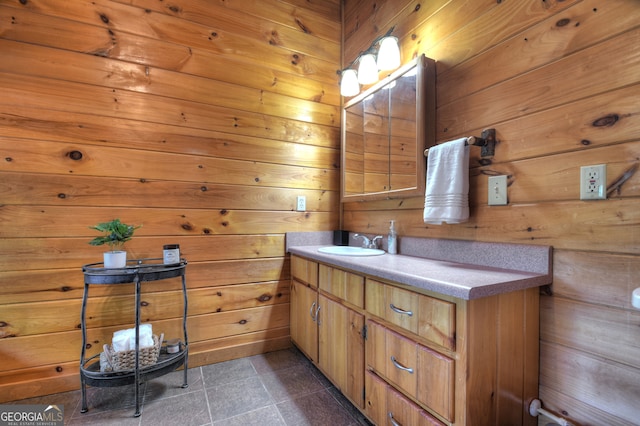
x,y
368,243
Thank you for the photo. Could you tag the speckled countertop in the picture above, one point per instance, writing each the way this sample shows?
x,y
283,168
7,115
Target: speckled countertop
x,y
463,269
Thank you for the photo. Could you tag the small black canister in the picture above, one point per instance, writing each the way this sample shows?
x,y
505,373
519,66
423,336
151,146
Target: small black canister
x,y
171,254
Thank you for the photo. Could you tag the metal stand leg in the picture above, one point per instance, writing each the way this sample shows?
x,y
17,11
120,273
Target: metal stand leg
x,y
83,385
184,330
137,363
186,367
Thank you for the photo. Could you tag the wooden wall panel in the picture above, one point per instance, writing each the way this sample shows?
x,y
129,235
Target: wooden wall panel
x,y
580,375
37,318
578,28
75,127
61,190
584,276
559,83
138,164
202,121
58,284
562,81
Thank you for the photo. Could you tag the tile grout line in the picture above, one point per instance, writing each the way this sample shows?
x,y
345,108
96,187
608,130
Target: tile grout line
x,y
206,395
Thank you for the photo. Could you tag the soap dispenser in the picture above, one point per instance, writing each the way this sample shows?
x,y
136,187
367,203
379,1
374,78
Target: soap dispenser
x,y
392,239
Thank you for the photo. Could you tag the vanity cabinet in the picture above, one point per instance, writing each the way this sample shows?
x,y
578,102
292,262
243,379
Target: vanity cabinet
x,y
425,358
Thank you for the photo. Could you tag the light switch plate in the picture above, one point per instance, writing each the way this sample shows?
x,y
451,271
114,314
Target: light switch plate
x,y
497,190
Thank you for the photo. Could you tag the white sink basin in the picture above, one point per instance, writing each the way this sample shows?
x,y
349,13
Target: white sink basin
x,y
350,251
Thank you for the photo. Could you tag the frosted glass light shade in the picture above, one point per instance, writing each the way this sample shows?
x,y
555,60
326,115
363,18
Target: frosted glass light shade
x,y
389,54
368,70
349,85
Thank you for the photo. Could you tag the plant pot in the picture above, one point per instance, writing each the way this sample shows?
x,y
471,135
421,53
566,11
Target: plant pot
x,y
115,259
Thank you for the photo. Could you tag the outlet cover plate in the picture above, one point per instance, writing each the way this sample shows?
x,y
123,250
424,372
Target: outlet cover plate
x,y
497,195
301,203
593,182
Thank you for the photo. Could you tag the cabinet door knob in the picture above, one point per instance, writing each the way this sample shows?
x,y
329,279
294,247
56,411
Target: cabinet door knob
x,y
317,312
400,366
394,308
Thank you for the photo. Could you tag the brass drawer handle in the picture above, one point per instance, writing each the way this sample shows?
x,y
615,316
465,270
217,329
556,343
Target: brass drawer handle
x,y
400,311
400,366
392,420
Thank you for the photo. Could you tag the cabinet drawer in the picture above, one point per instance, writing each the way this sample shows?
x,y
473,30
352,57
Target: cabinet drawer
x,y
428,317
343,284
304,270
417,370
386,406
402,308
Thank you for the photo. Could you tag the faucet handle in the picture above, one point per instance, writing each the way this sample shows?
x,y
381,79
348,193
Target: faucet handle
x,y
365,240
374,241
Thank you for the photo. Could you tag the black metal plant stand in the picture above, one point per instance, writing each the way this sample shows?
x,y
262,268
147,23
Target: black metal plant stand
x,y
136,271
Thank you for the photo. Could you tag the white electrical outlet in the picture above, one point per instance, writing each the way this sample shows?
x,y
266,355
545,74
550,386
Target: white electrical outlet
x,y
302,203
497,195
593,182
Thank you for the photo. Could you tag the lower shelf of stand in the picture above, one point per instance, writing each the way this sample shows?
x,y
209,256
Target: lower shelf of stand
x,y
91,374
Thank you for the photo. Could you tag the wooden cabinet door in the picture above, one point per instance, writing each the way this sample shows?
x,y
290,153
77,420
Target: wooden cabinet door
x,y
304,330
332,336
341,347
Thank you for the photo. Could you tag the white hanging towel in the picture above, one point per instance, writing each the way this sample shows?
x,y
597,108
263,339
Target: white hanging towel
x,y
447,192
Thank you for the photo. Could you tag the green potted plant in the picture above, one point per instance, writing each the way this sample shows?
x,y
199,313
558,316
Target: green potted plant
x,y
115,234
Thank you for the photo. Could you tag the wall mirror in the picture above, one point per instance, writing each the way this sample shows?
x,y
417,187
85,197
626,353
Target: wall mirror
x,y
384,133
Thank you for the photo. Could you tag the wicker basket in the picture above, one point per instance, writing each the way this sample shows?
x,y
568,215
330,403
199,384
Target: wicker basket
x,y
111,360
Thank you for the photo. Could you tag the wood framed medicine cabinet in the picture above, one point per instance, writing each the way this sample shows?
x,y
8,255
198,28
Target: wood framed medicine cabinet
x,y
385,132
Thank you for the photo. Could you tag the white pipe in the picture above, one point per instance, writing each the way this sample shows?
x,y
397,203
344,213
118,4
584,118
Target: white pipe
x,y
535,409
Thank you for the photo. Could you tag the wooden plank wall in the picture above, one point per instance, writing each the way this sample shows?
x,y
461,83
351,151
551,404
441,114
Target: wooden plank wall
x,y
201,120
560,81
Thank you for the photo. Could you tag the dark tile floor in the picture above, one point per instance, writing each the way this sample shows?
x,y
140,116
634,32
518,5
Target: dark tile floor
x,y
277,388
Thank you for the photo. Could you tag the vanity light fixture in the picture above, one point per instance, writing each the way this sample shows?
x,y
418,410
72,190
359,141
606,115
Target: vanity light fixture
x,y
388,58
368,70
389,54
349,85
